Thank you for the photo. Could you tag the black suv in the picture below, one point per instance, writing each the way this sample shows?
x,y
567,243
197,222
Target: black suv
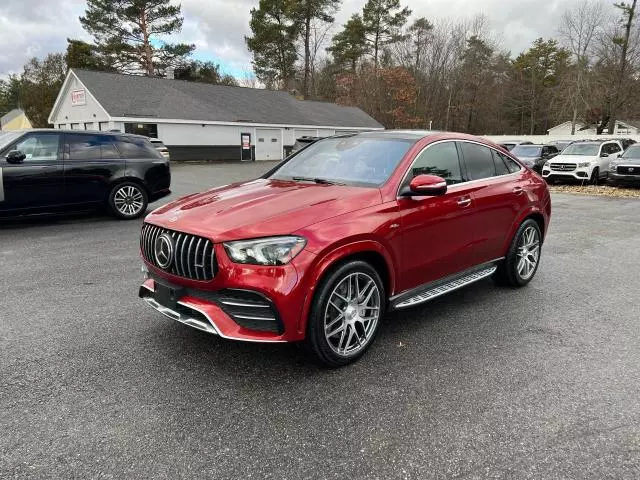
x,y
49,170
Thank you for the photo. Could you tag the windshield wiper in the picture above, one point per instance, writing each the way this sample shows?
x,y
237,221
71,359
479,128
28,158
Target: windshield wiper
x,y
321,181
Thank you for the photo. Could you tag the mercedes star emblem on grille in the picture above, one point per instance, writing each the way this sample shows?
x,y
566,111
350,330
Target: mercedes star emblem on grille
x,y
163,250
630,169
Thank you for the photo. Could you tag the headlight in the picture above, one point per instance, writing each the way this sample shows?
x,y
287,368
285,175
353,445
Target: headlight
x,y
546,164
612,167
584,164
265,251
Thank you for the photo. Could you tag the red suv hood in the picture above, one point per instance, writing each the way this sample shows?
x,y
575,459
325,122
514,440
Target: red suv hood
x,y
260,208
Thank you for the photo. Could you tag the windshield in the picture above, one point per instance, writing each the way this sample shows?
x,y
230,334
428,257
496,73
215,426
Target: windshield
x,y
364,161
588,149
8,137
527,151
632,152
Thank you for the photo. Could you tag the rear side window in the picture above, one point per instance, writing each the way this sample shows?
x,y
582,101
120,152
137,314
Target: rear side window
x,y
512,165
501,167
131,147
91,147
440,159
479,161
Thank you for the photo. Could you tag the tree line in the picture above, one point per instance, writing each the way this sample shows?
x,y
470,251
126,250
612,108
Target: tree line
x,y
449,74
453,74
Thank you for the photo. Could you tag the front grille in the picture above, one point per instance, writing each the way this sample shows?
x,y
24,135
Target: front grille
x,y
623,170
193,257
563,167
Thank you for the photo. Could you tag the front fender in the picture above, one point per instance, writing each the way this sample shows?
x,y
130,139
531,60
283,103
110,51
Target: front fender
x,y
316,271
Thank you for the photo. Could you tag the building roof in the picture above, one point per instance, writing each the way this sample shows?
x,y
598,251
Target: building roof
x,y
11,115
153,97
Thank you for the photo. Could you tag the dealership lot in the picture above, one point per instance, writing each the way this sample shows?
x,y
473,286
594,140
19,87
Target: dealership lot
x,y
486,382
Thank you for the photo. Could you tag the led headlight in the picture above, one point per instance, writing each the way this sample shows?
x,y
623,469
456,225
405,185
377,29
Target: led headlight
x,y
265,251
584,164
546,164
613,166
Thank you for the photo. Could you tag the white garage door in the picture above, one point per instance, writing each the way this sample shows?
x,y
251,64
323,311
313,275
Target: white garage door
x,y
268,144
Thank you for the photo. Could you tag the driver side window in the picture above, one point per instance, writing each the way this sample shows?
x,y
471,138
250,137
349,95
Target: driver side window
x,y
440,159
39,147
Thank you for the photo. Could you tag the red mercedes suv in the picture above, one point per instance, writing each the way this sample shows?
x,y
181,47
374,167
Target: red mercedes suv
x,y
345,229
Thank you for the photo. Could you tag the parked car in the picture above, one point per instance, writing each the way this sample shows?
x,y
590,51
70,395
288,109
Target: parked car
x,y
534,156
160,147
303,142
322,245
560,144
48,170
511,144
585,161
624,142
625,170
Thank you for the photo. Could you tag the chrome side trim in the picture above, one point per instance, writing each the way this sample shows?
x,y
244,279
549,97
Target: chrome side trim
x,y
447,287
172,314
249,317
188,305
241,304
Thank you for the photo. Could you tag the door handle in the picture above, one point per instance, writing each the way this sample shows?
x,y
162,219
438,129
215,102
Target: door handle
x,y
518,190
464,202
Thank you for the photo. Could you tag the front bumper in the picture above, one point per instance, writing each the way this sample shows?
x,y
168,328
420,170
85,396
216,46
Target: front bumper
x,y
617,179
242,302
579,174
208,315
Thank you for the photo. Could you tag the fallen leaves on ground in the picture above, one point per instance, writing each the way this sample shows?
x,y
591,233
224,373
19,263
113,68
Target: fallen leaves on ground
x,y
597,190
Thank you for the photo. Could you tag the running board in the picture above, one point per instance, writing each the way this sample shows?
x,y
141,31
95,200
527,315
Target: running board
x,y
447,287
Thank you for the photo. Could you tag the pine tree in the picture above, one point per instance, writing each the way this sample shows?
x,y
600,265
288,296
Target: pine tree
x,y
349,45
273,42
128,33
305,12
382,24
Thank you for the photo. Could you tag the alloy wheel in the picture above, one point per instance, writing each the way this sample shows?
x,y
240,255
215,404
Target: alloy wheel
x,y
528,252
351,314
128,200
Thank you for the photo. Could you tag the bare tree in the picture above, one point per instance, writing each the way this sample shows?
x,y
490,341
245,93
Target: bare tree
x,y
578,29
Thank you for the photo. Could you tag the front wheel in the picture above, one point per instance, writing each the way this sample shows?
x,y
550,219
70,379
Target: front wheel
x,y
595,176
523,256
345,315
128,200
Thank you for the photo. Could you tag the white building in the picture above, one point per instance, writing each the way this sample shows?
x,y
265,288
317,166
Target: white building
x,y
199,121
622,128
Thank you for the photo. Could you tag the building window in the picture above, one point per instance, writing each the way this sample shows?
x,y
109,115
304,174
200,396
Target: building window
x,y
146,129
103,126
75,126
62,126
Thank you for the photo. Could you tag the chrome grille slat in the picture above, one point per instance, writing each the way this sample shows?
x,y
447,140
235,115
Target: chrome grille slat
x,y
189,256
194,256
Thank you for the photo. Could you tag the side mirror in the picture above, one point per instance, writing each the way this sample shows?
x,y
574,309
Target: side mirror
x,y
15,156
426,185
604,154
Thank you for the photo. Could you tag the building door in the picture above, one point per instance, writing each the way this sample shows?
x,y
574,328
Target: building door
x,y
268,144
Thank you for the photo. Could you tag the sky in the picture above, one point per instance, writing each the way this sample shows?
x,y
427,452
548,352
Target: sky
x,y
217,27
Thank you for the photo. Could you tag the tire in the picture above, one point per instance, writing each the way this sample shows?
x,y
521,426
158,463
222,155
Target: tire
x,y
128,200
352,326
595,176
514,271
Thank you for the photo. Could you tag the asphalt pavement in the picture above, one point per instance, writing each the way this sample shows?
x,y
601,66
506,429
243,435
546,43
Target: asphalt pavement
x,y
487,382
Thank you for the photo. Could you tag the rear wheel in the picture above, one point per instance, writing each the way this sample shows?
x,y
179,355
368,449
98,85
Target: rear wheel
x,y
346,314
128,200
522,260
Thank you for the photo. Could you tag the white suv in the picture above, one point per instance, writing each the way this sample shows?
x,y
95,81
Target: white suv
x,y
583,160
